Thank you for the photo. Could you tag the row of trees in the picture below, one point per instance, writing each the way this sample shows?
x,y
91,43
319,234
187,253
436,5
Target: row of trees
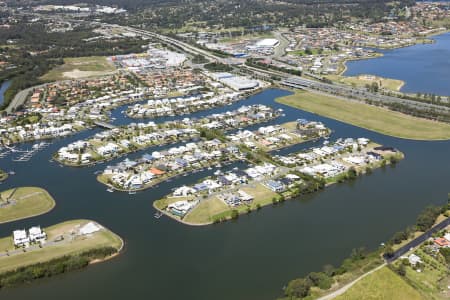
x,y
53,267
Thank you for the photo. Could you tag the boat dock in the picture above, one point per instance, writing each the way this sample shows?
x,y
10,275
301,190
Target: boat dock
x,y
28,154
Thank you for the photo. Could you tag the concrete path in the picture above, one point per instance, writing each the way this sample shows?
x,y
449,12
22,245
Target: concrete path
x,y
349,285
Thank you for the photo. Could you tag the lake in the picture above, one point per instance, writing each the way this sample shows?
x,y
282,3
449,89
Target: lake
x,y
425,68
251,258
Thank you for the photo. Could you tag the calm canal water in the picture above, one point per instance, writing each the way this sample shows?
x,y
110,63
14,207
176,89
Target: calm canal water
x,y
424,68
4,86
251,258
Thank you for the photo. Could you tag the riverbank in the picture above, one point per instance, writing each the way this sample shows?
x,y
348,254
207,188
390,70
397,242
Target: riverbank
x,y
73,244
3,175
24,202
369,117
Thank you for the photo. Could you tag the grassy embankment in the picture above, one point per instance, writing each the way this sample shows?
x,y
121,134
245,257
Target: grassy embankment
x,y
382,284
25,202
370,117
3,175
80,67
70,245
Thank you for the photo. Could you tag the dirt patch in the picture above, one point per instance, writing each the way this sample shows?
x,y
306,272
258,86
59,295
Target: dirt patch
x,y
77,74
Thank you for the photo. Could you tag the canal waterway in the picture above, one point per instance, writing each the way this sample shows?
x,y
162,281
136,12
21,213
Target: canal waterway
x,y
424,68
4,86
251,258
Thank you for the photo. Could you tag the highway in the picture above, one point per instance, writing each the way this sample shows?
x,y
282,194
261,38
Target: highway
x,y
335,89
299,82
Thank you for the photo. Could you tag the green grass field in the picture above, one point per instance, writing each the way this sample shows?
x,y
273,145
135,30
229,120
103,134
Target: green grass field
x,y
209,209
370,117
205,210
102,238
29,201
80,67
362,80
383,284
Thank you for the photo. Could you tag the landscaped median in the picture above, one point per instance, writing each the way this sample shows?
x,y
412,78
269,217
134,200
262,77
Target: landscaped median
x,y
24,202
68,246
367,116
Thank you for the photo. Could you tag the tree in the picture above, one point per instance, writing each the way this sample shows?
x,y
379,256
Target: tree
x,y
401,270
389,251
299,288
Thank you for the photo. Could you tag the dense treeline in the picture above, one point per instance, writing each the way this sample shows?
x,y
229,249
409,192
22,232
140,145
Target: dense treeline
x,y
53,267
139,4
253,13
432,114
359,259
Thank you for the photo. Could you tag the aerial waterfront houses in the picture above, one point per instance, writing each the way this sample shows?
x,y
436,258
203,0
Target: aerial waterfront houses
x,y
22,238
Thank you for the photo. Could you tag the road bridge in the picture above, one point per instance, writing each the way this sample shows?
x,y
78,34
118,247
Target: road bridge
x,y
104,125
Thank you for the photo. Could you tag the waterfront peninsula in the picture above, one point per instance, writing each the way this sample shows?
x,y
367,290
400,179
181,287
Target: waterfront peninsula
x,y
214,149
367,116
24,202
35,253
273,180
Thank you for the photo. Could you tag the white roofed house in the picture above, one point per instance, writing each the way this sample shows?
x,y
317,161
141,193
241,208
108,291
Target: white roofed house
x,y
21,238
36,234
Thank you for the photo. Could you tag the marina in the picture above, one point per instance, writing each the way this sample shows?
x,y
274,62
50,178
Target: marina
x,y
26,155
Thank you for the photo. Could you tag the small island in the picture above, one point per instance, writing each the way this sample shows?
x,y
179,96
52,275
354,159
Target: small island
x,y
24,202
35,253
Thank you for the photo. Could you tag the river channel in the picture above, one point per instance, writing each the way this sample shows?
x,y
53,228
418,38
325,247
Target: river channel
x,y
251,258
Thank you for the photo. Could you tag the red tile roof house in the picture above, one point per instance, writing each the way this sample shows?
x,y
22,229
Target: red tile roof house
x,y
441,242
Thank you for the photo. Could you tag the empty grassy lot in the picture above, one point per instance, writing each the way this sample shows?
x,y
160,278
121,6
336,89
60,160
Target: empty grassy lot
x,y
383,284
25,202
210,209
80,67
99,239
370,117
362,80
